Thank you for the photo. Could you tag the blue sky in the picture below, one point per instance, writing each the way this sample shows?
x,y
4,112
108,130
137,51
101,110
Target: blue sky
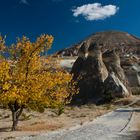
x,y
69,21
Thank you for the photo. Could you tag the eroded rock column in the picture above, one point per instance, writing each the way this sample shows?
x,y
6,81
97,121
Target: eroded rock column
x,y
116,83
92,72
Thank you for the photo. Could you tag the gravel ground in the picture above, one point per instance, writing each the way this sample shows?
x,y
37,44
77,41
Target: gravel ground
x,y
111,126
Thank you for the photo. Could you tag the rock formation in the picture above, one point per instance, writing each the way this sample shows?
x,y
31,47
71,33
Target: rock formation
x,y
99,78
116,82
94,63
113,57
127,45
91,72
94,73
131,66
77,71
79,63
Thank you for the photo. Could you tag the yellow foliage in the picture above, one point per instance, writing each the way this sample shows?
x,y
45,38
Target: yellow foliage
x,y
31,80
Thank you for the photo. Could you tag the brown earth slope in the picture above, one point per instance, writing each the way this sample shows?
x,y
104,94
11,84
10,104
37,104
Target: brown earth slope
x,y
125,42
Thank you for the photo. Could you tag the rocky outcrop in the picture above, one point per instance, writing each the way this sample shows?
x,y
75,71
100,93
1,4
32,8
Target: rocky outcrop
x,y
131,67
92,73
94,64
116,82
77,71
127,45
109,63
99,78
79,63
114,87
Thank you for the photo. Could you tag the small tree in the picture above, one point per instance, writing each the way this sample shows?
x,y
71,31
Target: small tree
x,y
27,80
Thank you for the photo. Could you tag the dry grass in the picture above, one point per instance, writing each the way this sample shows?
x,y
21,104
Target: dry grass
x,y
32,123
40,126
132,101
49,121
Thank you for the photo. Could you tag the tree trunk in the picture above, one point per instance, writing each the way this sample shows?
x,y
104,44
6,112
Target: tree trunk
x,y
16,112
15,121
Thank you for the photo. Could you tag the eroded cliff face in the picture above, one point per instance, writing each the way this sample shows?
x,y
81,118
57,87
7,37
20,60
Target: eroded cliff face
x,y
100,74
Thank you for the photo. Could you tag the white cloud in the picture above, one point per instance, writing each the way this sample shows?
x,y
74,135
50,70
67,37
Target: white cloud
x,y
24,2
95,11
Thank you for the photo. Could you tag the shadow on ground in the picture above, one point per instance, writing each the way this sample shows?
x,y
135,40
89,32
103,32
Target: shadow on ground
x,y
5,129
127,110
135,135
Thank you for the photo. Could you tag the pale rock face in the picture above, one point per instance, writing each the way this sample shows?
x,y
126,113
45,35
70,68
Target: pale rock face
x,y
133,74
82,51
115,86
94,53
116,73
112,62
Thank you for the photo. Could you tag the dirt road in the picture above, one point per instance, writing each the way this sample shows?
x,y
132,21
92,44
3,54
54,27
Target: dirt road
x,y
121,124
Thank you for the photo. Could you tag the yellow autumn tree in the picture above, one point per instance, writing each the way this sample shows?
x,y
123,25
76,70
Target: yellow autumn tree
x,y
29,80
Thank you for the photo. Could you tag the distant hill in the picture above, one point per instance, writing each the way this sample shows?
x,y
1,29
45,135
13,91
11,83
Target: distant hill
x,y
124,42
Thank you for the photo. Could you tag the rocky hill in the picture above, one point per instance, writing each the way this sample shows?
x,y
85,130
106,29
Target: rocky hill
x,y
108,64
124,42
126,45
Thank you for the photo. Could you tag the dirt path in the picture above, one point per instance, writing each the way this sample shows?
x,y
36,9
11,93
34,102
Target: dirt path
x,y
77,123
121,124
33,123
132,130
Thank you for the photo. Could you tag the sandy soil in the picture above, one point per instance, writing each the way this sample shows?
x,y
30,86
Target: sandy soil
x,y
33,123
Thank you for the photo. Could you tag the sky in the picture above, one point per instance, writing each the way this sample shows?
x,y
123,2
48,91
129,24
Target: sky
x,y
69,21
